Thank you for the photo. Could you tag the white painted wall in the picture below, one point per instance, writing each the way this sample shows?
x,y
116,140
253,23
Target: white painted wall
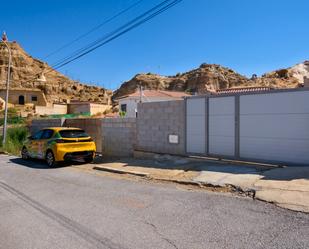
x,y
275,127
49,110
131,106
222,126
196,125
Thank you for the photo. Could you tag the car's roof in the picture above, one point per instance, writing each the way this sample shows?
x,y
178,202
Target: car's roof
x,y
61,128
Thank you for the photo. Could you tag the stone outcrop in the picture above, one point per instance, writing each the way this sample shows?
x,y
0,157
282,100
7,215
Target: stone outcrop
x,y
27,72
212,77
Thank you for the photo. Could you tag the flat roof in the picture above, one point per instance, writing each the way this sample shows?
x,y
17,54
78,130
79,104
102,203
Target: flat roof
x,y
84,103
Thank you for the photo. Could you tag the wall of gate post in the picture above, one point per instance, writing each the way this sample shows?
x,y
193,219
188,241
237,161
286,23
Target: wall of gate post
x,y
161,127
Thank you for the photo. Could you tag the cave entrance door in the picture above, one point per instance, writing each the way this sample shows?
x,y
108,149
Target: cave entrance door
x,y
21,100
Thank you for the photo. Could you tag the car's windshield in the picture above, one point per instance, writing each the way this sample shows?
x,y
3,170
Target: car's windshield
x,y
73,133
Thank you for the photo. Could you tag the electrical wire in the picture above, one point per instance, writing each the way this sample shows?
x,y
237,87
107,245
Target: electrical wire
x,y
118,34
134,23
93,29
107,36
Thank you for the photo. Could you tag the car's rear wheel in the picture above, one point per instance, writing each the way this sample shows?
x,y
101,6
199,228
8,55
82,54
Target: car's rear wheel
x,y
50,159
24,153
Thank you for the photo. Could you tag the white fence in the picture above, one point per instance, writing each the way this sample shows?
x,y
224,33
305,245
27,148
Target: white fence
x,y
263,126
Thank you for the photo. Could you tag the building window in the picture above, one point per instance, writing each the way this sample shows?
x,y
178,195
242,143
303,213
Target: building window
x,y
34,98
123,107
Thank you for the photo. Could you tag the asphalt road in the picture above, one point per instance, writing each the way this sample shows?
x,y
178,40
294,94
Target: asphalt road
x,y
71,208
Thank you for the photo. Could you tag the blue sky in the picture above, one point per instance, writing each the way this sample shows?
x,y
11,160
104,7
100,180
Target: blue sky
x,y
245,35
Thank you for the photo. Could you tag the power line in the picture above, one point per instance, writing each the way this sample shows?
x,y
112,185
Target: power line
x,y
93,29
134,23
111,33
125,28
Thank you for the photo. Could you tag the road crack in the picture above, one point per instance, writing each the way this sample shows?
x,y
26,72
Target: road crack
x,y
155,229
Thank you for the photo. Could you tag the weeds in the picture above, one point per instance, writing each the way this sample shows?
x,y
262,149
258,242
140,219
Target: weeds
x,y
14,139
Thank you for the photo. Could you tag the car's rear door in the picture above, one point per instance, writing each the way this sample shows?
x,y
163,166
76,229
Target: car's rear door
x,y
33,144
42,142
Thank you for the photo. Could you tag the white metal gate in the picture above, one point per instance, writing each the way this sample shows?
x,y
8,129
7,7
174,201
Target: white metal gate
x,y
262,126
222,126
195,125
275,127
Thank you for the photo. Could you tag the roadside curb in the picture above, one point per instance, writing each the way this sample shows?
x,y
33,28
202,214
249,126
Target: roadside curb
x,y
231,188
248,192
121,171
184,182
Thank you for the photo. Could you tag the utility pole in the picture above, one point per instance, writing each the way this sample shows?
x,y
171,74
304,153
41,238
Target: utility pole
x,y
4,41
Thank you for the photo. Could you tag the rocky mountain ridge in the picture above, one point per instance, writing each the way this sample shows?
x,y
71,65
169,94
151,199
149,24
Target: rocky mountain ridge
x,y
26,72
212,77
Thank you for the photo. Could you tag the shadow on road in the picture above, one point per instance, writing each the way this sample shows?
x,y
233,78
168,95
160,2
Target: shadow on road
x,y
35,164
40,164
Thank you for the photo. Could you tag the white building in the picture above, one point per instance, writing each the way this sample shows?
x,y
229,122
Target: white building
x,y
128,103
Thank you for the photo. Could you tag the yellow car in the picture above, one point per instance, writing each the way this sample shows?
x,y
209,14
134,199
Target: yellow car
x,y
57,144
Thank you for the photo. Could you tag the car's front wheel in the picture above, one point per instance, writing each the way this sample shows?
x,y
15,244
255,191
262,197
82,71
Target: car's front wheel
x,y
50,159
24,153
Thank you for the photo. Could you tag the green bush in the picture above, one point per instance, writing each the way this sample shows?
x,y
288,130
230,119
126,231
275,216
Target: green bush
x,y
11,111
14,139
13,120
122,114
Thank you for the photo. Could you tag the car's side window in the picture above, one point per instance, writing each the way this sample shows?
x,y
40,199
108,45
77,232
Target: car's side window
x,y
47,134
37,135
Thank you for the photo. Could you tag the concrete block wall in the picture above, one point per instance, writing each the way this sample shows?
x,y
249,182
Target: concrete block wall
x,y
38,124
156,121
118,136
113,137
91,125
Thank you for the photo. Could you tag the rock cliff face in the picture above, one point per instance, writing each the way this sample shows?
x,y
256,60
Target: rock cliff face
x,y
211,77
300,71
26,72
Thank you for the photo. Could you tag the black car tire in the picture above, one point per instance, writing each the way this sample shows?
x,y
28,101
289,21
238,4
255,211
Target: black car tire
x,y
50,159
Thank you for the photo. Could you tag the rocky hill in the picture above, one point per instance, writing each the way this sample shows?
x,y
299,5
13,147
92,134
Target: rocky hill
x,y
211,77
27,71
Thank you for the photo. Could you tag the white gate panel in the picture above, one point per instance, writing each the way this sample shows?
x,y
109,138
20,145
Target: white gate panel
x,y
196,125
222,126
275,127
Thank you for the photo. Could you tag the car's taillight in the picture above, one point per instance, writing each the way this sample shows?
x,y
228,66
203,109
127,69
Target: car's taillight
x,y
59,141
